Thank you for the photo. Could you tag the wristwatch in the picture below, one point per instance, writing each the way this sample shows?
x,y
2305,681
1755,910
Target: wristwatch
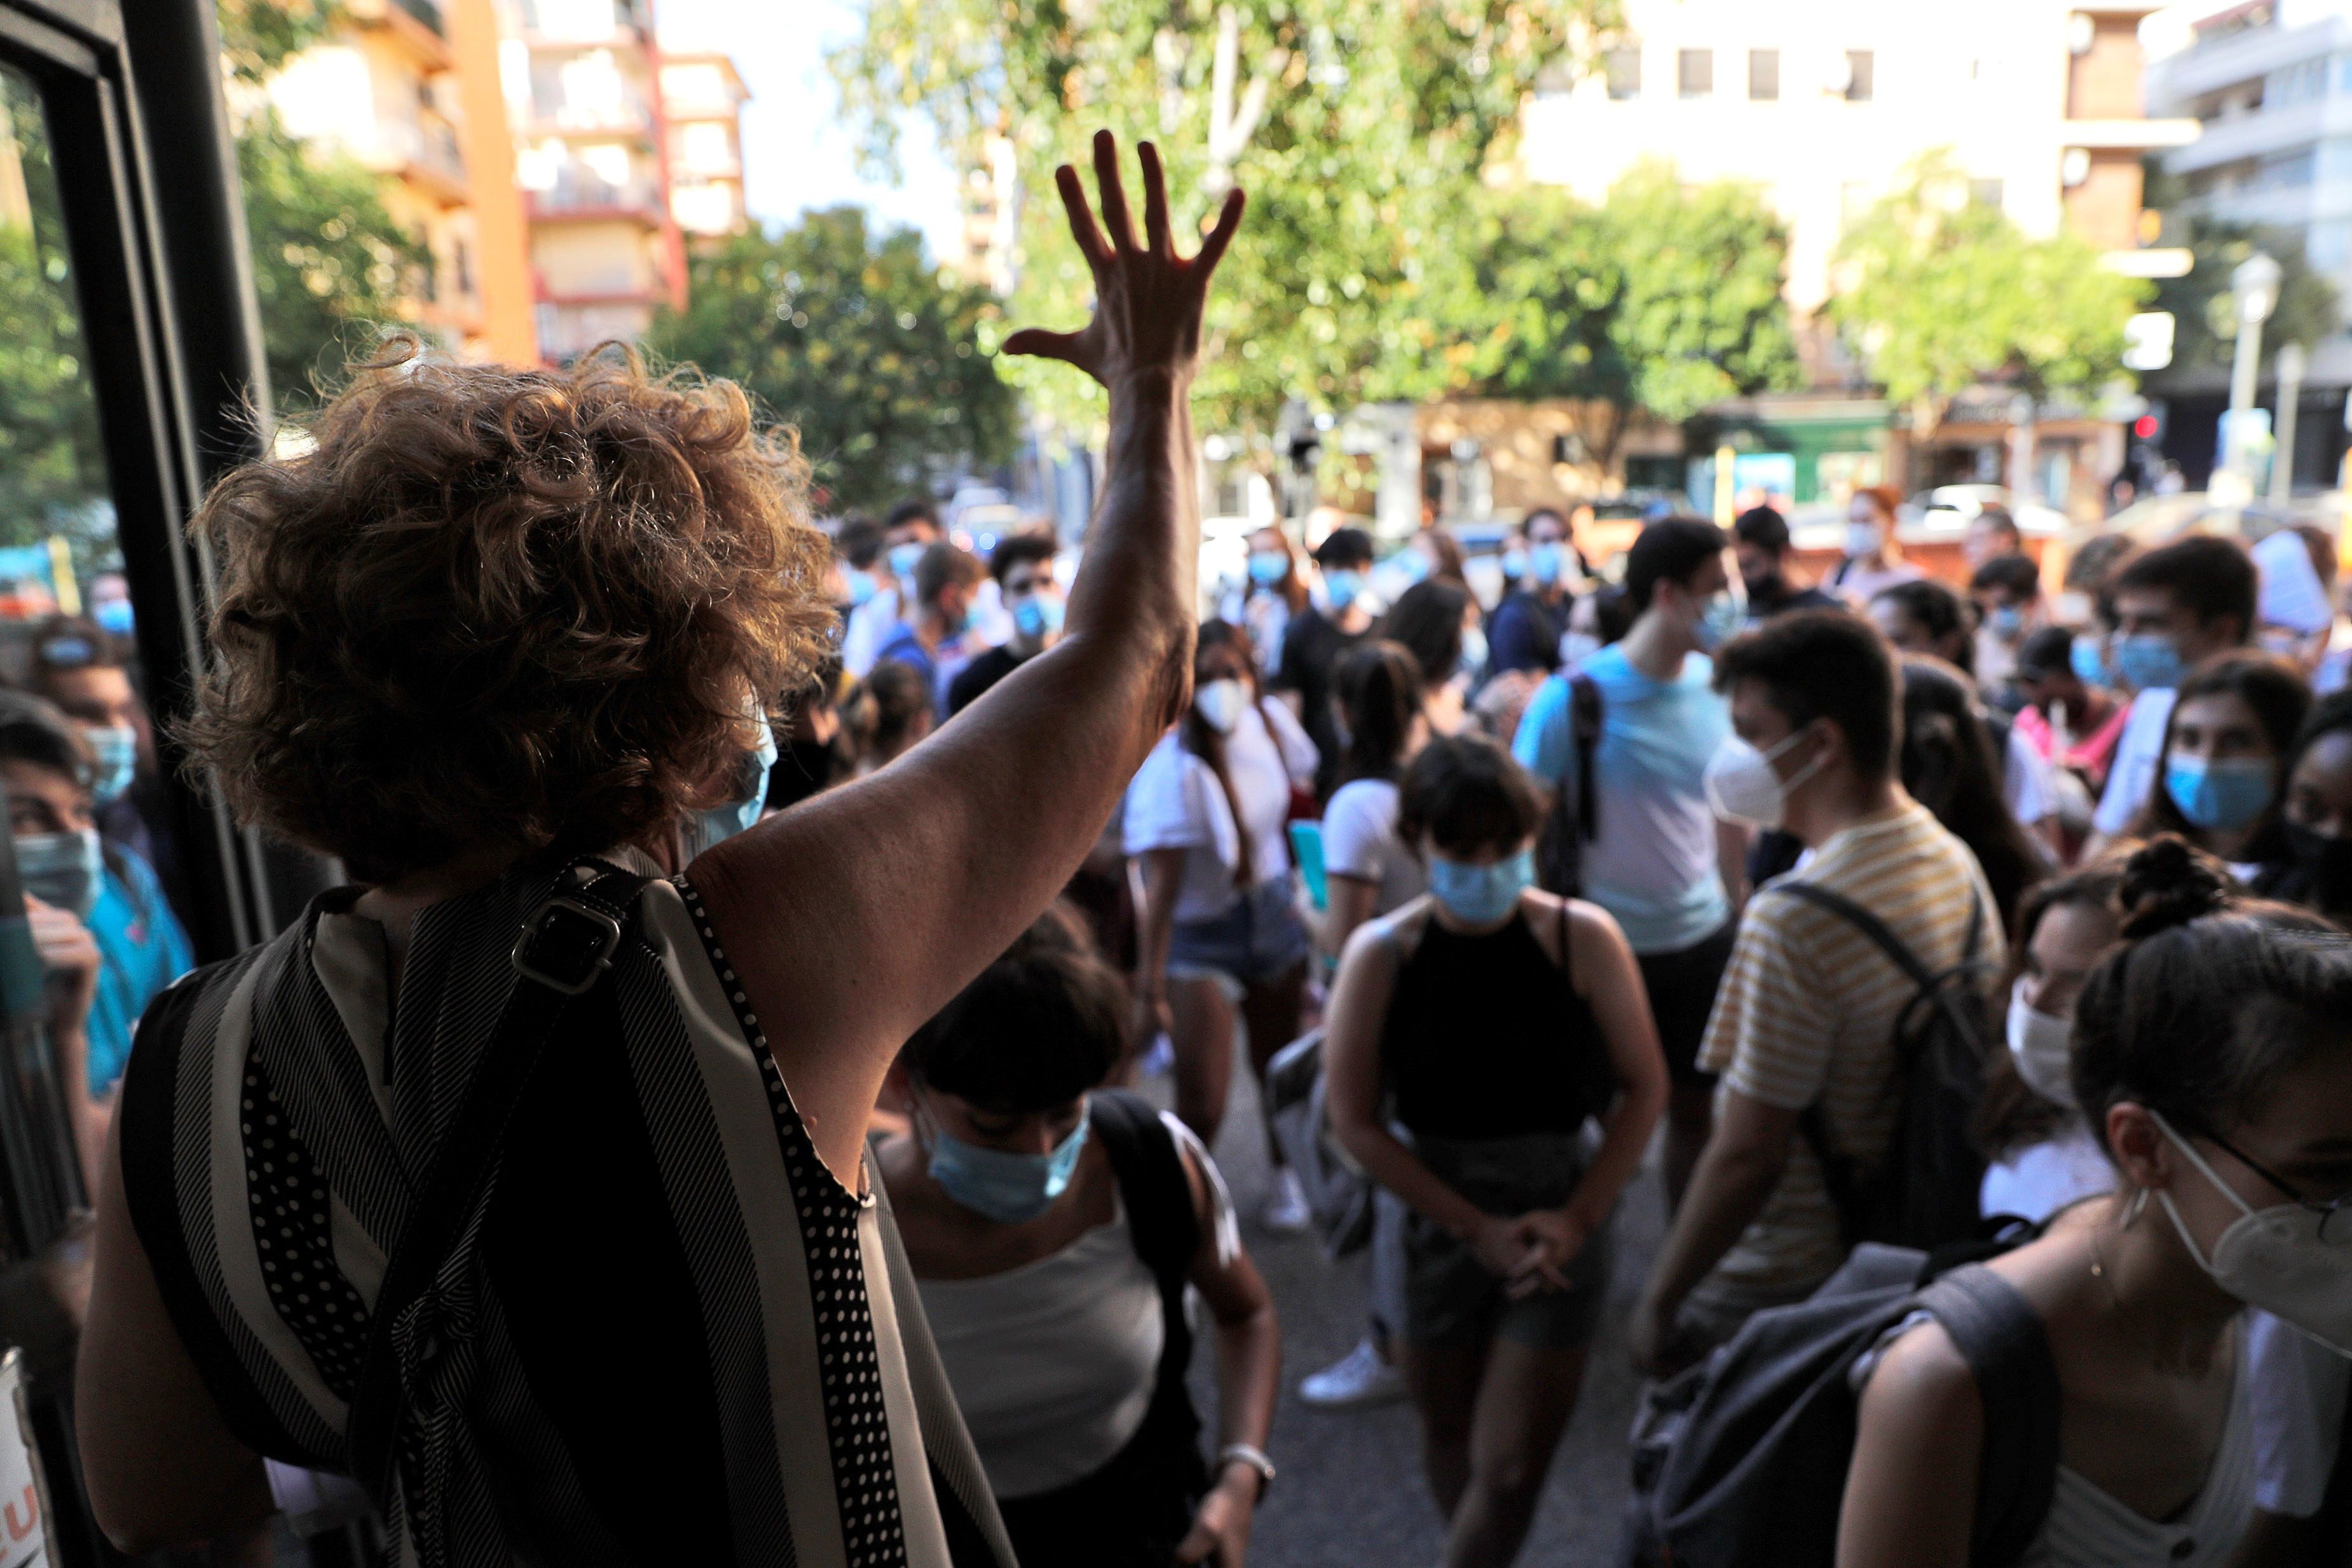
x,y
1243,1453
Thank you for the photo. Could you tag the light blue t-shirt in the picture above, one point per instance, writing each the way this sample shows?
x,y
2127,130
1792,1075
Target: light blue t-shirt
x,y
1652,862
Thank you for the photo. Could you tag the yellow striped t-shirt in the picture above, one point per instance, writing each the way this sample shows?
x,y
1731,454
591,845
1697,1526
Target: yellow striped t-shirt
x,y
1807,1011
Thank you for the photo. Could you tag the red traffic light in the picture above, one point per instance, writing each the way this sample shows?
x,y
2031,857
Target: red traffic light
x,y
2145,427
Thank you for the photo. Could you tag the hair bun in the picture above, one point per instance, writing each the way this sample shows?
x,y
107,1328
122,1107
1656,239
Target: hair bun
x,y
2168,882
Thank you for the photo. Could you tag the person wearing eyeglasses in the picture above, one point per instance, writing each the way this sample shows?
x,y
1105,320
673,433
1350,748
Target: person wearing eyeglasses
x,y
2213,1060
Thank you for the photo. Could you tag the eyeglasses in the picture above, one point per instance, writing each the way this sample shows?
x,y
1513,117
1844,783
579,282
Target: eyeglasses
x,y
2326,1209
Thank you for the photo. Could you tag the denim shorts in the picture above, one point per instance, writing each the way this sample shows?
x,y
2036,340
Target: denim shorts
x,y
1258,940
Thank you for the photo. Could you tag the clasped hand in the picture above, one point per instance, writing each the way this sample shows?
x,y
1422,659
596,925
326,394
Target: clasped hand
x,y
1531,1251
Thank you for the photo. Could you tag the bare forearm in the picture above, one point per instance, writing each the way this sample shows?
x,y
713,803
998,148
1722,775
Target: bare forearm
x,y
1727,1191
1396,1168
1155,927
1625,1138
1249,1376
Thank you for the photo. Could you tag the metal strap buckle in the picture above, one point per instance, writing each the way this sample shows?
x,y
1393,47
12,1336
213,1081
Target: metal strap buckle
x,y
603,929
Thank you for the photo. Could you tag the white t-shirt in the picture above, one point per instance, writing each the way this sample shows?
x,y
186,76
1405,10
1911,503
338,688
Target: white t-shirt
x,y
1359,840
870,626
2037,1181
2133,774
2300,1386
2025,780
1176,803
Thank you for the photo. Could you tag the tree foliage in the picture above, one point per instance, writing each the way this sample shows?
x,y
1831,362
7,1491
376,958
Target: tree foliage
x,y
2204,316
1665,297
331,268
1937,292
51,464
1363,130
882,363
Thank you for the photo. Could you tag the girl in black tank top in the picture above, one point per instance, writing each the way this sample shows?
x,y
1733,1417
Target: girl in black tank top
x,y
1494,1021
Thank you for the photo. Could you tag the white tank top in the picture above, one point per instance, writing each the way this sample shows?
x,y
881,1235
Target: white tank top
x,y
1053,1362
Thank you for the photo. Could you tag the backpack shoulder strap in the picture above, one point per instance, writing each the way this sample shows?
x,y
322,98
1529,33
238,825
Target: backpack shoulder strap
x,y
564,951
1151,1182
1881,935
1585,717
1999,1336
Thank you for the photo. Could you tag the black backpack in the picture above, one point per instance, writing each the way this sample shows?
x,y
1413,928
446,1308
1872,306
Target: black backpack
x,y
1573,817
1741,1461
1926,1192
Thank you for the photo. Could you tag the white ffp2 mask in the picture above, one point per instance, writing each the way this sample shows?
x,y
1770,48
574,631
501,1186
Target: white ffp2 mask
x,y
1742,787
2287,1259
2043,1045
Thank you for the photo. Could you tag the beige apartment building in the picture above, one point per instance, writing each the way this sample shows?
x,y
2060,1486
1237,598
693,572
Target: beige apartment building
x,y
1822,104
702,101
409,89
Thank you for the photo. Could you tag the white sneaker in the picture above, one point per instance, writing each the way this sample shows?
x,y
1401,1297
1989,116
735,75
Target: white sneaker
x,y
1286,1213
1356,1379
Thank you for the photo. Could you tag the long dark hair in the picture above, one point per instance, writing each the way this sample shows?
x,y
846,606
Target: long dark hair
x,y
2279,697
1950,767
2211,995
1203,742
1378,688
2011,1115
1427,619
2289,878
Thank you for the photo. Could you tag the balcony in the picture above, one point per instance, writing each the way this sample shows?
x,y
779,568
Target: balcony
x,y
577,196
625,116
417,26
2176,80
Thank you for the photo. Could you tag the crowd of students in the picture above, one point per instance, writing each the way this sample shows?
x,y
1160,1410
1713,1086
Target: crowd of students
x,y
910,1272
1619,855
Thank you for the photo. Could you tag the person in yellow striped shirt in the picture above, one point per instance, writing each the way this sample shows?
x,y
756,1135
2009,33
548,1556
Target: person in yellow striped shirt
x,y
1807,1010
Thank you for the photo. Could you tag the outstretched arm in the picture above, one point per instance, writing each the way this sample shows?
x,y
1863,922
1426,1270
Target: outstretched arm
x,y
855,916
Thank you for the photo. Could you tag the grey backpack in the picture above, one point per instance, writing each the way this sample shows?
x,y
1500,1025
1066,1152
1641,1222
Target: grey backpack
x,y
1338,1193
1740,1462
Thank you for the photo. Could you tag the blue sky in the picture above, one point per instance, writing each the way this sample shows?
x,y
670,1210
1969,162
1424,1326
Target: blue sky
x,y
796,154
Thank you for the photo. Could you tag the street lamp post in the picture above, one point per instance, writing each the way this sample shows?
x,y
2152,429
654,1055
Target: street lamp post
x,y
2254,289
2291,365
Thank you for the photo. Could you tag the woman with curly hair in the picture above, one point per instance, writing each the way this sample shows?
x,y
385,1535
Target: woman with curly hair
x,y
524,1180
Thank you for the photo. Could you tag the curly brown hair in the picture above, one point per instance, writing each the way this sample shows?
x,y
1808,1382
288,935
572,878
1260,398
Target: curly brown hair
x,y
503,608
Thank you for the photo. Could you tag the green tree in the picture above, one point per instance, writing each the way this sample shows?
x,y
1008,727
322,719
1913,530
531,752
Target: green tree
x,y
1362,128
51,465
882,363
1937,292
2205,319
1665,299
331,268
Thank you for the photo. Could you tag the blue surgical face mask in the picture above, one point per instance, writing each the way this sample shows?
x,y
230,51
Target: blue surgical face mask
x,y
904,558
2220,797
2146,661
62,869
114,615
861,588
1413,564
1481,894
1719,619
2083,657
2008,622
1340,587
117,747
1515,562
1473,652
1268,567
1037,615
1007,1188
1546,561
723,822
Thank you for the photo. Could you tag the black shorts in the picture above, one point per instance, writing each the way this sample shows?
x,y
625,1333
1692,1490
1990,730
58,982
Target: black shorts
x,y
1682,986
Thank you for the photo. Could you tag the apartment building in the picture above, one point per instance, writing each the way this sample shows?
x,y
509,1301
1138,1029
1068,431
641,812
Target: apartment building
x,y
584,95
702,101
409,88
2271,82
1822,104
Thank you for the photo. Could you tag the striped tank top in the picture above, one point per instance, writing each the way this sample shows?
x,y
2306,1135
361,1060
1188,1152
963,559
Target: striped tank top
x,y
667,1333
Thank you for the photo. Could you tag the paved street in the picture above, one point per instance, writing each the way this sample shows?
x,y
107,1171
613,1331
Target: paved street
x,y
1350,1493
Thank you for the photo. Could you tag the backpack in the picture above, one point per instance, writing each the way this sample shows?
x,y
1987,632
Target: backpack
x,y
1741,1461
1339,1194
1573,817
1925,1193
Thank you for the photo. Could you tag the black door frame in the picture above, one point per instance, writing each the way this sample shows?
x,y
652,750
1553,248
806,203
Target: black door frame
x,y
146,175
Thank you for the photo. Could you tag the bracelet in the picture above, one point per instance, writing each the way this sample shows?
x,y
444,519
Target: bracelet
x,y
1233,1454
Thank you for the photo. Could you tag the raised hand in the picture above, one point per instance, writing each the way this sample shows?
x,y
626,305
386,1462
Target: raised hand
x,y
1148,299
